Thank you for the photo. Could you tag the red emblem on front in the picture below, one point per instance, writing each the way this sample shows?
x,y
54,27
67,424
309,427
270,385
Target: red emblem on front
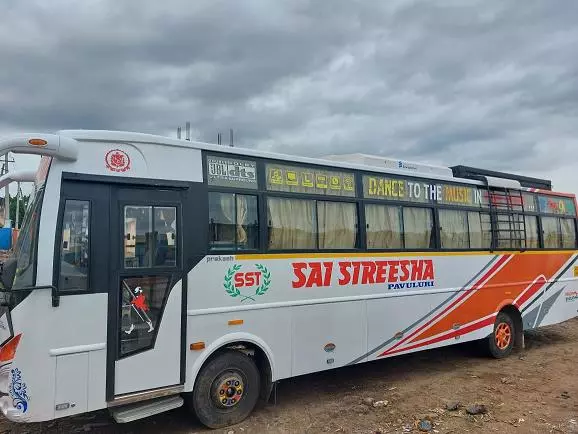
x,y
117,160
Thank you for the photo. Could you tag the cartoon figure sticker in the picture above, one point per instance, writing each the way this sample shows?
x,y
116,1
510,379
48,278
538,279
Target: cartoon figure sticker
x,y
137,303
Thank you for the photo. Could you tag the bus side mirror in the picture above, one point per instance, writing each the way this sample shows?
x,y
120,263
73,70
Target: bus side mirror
x,y
8,273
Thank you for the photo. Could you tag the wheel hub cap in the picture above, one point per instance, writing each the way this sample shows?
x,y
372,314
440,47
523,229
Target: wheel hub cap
x,y
228,390
503,335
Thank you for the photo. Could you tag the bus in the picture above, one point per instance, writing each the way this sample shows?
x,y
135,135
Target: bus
x,y
152,272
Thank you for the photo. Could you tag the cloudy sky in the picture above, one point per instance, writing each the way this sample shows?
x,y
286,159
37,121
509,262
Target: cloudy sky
x,y
491,83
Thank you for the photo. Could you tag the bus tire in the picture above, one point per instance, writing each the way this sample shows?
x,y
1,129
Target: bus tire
x,y
501,340
226,390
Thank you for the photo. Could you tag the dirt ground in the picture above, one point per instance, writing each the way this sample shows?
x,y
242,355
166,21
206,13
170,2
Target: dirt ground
x,y
535,391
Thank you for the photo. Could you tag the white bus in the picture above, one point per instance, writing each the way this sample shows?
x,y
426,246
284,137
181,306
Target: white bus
x,y
152,272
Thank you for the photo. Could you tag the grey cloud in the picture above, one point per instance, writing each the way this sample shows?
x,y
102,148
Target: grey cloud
x,y
491,83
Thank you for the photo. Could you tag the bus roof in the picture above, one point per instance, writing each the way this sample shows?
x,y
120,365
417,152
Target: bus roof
x,y
64,149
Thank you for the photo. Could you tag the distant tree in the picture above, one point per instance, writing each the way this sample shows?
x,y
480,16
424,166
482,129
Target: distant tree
x,y
23,205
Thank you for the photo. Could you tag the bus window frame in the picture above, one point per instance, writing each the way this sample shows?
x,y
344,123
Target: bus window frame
x,y
263,193
39,197
233,191
313,198
558,217
58,244
540,214
121,204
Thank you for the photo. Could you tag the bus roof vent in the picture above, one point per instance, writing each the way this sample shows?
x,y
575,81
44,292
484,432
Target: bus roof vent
x,y
524,181
392,164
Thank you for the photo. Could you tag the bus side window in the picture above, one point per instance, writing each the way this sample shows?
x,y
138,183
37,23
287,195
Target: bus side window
x,y
74,246
150,238
418,228
233,222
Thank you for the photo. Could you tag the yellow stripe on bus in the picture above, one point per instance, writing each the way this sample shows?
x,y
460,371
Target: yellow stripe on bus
x,y
392,254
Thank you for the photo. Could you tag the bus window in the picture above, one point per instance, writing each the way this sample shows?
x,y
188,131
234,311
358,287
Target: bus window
x,y
26,246
479,227
383,227
454,229
74,246
138,229
292,224
550,230
568,233
150,242
233,222
165,226
417,228
142,303
337,225
531,223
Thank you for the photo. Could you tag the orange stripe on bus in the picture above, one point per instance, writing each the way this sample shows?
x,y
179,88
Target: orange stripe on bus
x,y
514,278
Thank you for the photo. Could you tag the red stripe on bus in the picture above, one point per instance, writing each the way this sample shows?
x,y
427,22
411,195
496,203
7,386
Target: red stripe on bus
x,y
476,286
468,329
531,290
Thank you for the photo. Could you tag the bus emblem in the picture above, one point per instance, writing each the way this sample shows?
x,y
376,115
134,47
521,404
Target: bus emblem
x,y
236,280
117,161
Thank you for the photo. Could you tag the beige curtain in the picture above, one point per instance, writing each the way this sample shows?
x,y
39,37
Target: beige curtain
x,y
291,223
241,218
417,225
480,238
383,227
337,225
550,228
475,229
227,204
568,233
453,229
531,223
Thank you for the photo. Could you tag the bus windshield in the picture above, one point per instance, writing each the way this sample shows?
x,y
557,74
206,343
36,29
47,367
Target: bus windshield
x,y
26,248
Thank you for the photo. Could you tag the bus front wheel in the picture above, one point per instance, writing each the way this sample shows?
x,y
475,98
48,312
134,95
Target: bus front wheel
x,y
226,390
501,340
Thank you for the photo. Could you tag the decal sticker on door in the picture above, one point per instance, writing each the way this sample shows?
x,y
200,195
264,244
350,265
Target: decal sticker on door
x,y
142,302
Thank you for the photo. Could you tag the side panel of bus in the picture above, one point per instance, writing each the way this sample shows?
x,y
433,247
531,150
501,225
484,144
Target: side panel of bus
x,y
305,330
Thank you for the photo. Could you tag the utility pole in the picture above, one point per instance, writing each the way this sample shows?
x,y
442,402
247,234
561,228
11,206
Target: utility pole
x,y
18,196
6,192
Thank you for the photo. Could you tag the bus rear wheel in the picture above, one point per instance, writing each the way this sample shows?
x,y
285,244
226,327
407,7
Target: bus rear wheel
x,y
501,340
226,390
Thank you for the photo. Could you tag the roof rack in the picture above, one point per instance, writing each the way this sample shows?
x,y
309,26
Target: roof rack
x,y
525,181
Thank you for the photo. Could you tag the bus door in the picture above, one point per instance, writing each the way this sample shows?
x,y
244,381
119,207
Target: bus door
x,y
147,293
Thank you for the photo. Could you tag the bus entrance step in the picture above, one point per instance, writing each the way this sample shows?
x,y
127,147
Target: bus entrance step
x,y
132,412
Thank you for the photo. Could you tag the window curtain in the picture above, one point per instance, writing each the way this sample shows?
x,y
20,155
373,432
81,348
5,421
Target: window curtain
x,y
291,223
417,226
531,223
337,225
383,227
475,229
241,219
550,228
568,233
453,229
226,227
